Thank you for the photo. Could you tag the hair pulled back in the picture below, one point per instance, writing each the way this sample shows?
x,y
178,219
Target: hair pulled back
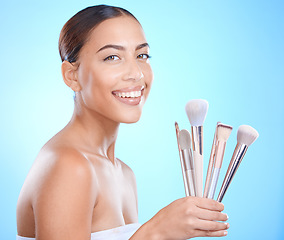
x,y
76,30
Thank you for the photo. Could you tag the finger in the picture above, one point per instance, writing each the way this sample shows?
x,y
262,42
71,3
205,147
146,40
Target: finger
x,y
209,204
210,225
205,214
200,233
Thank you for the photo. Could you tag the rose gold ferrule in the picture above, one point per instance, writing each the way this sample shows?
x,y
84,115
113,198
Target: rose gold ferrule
x,y
237,158
197,139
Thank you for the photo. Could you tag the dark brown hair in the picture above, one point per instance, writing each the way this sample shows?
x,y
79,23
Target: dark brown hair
x,y
76,31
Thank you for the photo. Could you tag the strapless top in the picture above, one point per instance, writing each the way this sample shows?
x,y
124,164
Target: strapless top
x,y
118,233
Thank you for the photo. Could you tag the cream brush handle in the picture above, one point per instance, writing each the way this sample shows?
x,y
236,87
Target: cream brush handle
x,y
197,147
198,167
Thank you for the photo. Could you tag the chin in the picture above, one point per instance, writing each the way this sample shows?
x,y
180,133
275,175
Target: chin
x,y
129,122
131,119
131,116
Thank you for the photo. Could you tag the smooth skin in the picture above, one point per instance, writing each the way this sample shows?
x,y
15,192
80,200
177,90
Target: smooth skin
x,y
76,185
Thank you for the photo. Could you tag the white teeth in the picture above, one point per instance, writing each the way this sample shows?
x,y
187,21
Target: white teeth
x,y
133,94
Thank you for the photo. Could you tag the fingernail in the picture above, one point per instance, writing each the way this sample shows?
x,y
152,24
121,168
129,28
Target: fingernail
x,y
228,225
225,233
227,216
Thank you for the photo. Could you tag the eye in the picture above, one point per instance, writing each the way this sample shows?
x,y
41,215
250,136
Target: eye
x,y
143,56
111,58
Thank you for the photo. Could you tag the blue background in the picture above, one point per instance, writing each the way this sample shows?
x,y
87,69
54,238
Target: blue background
x,y
228,52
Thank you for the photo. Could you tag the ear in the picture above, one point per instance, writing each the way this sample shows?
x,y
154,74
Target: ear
x,y
69,74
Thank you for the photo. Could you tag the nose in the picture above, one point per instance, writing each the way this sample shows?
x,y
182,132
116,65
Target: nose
x,y
133,71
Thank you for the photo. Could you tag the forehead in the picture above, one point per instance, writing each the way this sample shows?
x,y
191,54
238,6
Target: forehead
x,y
123,30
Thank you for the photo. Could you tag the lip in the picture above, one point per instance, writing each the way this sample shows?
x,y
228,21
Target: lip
x,y
129,89
133,101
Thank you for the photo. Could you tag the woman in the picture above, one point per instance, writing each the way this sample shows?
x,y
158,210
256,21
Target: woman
x,y
77,188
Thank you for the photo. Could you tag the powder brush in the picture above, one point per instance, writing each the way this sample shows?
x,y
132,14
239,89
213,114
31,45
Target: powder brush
x,y
245,137
196,111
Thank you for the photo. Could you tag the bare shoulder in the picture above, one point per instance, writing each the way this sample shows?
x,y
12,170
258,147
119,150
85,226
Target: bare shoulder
x,y
61,166
61,188
59,158
127,171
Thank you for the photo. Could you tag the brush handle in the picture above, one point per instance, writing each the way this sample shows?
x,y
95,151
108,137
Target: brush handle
x,y
237,158
189,175
209,172
220,150
197,146
188,172
198,167
227,181
210,166
214,182
186,188
221,145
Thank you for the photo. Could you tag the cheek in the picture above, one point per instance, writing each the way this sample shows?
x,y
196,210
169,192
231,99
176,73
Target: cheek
x,y
96,80
148,76
93,88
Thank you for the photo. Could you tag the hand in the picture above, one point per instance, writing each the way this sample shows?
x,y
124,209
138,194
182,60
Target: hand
x,y
189,217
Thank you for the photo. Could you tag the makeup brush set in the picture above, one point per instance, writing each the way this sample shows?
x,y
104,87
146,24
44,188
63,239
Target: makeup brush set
x,y
192,158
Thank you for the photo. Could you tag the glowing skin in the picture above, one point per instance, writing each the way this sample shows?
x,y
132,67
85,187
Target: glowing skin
x,y
116,62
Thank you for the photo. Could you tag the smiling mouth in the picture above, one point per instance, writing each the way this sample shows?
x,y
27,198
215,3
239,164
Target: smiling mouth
x,y
130,96
133,94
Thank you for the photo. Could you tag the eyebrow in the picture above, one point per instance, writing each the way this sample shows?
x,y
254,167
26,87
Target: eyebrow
x,y
118,47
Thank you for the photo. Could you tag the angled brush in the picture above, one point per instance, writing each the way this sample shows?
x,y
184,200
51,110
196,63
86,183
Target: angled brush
x,y
223,133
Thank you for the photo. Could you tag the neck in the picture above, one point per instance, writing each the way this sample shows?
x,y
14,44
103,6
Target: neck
x,y
96,133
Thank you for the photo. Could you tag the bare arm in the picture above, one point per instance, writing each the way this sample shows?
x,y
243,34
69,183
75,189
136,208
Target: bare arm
x,y
185,218
64,202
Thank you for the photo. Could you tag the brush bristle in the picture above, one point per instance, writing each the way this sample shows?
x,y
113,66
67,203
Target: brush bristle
x,y
196,111
246,135
223,131
184,139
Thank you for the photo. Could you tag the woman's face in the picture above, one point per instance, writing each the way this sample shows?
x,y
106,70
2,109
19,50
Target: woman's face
x,y
114,70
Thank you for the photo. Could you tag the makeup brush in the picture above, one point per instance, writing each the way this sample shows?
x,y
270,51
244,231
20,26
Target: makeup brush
x,y
245,137
210,165
196,111
181,160
223,133
187,164
177,134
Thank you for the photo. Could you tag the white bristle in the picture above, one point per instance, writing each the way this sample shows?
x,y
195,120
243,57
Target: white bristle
x,y
184,139
246,135
223,131
196,111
